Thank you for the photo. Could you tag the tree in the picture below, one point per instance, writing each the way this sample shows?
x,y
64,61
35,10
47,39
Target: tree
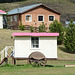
x,y
57,27
21,26
32,29
42,28
69,41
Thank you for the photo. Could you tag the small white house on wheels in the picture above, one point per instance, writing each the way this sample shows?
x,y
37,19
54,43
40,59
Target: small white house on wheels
x,y
36,45
1,18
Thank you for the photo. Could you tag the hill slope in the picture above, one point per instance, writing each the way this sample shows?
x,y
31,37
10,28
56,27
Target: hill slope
x,y
63,6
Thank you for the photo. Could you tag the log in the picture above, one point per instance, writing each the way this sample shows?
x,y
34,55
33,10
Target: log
x,y
69,65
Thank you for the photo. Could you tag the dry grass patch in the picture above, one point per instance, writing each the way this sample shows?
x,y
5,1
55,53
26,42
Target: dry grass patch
x,y
5,37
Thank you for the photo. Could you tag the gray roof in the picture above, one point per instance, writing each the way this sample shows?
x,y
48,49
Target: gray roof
x,y
22,9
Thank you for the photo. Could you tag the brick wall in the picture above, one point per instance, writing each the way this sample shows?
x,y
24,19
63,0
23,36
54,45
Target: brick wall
x,y
39,11
35,12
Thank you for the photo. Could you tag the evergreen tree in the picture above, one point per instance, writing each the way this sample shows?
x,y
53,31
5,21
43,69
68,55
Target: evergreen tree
x,y
42,28
69,41
58,28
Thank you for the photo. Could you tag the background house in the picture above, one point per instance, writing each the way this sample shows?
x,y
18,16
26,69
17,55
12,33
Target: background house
x,y
1,18
32,15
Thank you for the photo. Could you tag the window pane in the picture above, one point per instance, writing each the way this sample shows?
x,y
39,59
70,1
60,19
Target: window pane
x,y
32,42
36,38
40,18
51,18
28,18
34,46
32,38
15,17
35,42
37,46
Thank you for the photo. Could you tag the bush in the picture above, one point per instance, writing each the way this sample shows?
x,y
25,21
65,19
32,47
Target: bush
x,y
69,41
32,29
21,26
42,28
57,27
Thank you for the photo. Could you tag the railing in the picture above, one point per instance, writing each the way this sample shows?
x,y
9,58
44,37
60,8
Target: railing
x,y
4,53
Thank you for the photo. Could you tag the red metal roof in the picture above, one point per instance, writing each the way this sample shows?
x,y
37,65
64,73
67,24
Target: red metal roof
x,y
35,34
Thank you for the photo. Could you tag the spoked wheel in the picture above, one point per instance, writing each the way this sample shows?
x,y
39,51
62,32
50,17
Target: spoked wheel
x,y
37,59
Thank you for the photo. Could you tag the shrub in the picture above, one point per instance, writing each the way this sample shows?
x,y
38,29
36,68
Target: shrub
x,y
69,40
57,27
42,28
21,26
32,29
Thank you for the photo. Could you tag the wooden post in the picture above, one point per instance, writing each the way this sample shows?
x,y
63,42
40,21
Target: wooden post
x,y
13,61
6,60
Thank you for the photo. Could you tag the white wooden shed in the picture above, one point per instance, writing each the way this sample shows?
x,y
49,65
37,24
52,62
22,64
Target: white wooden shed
x,y
1,18
26,43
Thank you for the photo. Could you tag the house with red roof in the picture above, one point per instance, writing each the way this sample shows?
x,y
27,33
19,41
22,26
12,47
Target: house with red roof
x,y
1,18
32,15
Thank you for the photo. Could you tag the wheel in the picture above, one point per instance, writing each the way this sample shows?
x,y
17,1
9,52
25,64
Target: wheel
x,y
37,59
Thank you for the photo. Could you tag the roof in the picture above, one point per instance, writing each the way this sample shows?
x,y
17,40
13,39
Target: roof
x,y
27,8
2,12
35,34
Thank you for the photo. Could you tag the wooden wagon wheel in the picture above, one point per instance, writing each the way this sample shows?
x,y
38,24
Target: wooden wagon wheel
x,y
37,58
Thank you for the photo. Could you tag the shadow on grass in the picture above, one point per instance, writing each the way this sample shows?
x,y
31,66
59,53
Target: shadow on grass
x,y
65,50
29,66
53,66
49,65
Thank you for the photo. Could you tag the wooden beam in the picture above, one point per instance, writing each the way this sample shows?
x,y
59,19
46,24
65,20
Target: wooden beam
x,y
13,61
69,65
6,60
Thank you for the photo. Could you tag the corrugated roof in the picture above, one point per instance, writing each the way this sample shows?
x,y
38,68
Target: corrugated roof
x,y
26,8
22,9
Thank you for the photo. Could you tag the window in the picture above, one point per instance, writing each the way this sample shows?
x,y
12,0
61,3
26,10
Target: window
x,y
40,18
51,18
15,17
34,42
11,19
28,18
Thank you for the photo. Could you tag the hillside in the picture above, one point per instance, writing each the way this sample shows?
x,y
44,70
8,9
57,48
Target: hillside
x,y
5,40
65,7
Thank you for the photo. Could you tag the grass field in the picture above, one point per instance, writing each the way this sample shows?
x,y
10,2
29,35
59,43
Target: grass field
x,y
53,67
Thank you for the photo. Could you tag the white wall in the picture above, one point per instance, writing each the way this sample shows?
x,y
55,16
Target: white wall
x,y
1,21
48,46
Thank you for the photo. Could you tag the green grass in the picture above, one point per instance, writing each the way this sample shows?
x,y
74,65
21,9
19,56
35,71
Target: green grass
x,y
52,68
